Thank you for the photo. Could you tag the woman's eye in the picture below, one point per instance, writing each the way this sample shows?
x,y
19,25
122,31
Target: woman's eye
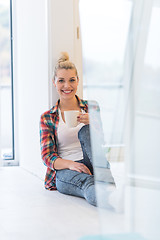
x,y
60,80
72,80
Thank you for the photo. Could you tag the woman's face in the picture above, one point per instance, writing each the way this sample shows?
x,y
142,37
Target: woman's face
x,y
66,83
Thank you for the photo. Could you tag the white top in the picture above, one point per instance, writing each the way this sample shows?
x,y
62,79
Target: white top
x,y
69,146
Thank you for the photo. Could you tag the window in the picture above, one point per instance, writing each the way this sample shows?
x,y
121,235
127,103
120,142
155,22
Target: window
x,y
104,28
6,88
149,103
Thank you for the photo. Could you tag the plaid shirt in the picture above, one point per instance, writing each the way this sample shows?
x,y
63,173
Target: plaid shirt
x,y
49,141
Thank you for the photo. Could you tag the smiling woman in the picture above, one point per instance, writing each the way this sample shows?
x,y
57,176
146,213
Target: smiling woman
x,y
66,151
66,81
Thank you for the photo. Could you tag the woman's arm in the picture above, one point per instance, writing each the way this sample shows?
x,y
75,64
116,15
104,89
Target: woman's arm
x,y
50,155
47,142
60,163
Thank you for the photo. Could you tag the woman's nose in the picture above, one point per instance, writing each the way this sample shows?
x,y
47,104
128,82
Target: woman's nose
x,y
66,84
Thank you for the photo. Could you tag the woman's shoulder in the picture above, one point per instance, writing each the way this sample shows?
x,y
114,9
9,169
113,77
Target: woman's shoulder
x,y
51,112
47,114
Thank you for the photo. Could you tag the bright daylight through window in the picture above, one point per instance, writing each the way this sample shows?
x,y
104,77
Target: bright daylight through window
x,y
106,23
6,88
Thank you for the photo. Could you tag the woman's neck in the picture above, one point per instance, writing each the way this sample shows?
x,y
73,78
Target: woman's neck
x,y
70,104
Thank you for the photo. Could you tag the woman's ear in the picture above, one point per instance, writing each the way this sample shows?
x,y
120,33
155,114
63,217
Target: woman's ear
x,y
53,82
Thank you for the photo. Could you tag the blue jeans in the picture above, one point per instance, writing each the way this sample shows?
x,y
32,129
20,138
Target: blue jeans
x,y
76,184
80,184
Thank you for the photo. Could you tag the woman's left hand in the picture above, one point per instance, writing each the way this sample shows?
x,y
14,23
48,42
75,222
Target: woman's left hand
x,y
83,118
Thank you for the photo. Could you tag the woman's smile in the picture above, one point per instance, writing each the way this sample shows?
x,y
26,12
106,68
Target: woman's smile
x,y
67,91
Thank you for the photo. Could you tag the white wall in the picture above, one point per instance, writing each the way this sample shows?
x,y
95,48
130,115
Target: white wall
x,y
63,23
30,79
42,29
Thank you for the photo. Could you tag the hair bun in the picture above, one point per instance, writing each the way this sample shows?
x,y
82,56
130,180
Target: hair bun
x,y
63,62
63,57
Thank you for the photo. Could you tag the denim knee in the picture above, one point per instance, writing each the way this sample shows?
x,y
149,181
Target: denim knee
x,y
90,195
89,190
83,132
84,138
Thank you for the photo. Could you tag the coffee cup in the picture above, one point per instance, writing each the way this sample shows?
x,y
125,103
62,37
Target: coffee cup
x,y
71,118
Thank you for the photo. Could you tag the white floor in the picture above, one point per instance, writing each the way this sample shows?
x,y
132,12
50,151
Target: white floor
x,y
28,211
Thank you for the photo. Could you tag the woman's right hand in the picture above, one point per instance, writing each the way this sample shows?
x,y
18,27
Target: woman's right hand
x,y
79,167
60,163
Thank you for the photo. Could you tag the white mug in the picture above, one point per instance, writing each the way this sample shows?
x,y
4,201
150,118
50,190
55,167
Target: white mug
x,y
71,118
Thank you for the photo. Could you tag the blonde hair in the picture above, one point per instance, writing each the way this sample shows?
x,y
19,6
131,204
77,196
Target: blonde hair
x,y
64,63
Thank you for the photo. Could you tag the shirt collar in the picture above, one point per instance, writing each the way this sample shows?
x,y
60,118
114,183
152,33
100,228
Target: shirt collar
x,y
55,108
81,104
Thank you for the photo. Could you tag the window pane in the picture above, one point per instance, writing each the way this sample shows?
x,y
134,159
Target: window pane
x,y
5,81
150,82
104,28
147,112
145,130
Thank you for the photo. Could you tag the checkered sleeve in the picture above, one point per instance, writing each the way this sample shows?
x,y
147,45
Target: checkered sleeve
x,y
47,142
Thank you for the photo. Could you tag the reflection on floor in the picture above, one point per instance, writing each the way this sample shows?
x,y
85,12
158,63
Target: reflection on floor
x,y
28,211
